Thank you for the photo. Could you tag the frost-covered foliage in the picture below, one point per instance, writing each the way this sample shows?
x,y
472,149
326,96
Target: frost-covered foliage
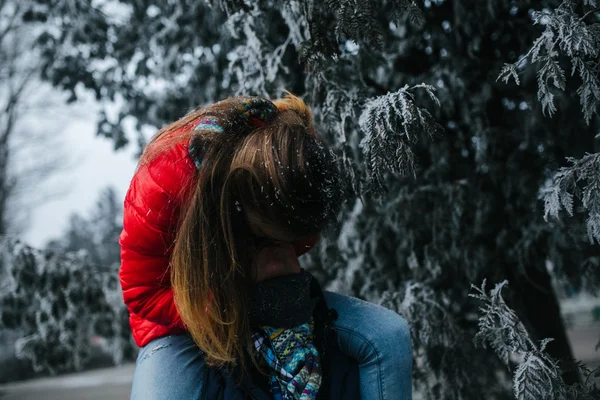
x,y
392,123
472,212
61,297
536,375
573,37
582,180
439,333
58,302
569,34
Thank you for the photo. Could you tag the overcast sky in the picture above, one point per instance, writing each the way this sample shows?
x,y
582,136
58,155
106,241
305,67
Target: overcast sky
x,y
93,165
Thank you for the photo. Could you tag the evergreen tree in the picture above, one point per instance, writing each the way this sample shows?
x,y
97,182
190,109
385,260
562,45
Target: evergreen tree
x,y
453,153
58,298
58,302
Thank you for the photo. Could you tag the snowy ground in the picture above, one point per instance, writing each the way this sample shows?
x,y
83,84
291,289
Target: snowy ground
x,y
114,383
101,384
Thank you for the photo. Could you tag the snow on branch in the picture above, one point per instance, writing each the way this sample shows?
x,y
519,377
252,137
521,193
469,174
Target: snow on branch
x,y
254,63
565,34
391,124
581,179
229,6
536,375
354,16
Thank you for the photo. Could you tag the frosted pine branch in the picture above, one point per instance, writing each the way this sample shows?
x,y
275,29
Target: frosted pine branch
x,y
537,376
499,326
566,34
580,180
391,124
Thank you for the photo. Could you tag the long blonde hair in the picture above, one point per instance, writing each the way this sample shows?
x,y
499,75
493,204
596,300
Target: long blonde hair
x,y
277,181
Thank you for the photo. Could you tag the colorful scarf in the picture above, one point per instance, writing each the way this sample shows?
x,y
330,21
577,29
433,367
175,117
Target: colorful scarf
x,y
293,359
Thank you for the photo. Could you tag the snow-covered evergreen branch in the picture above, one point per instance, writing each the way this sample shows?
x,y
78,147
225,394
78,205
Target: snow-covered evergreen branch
x,y
535,374
581,179
391,123
565,34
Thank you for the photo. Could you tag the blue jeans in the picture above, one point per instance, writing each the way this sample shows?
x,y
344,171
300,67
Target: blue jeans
x,y
379,339
169,368
172,367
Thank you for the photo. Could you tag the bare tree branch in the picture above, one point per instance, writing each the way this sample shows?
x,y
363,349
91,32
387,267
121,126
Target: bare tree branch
x,y
26,163
11,21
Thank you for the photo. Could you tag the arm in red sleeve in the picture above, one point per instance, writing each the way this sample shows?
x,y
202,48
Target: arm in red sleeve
x,y
151,214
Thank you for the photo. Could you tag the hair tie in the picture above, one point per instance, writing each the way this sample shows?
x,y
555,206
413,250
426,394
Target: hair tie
x,y
257,111
196,150
198,145
209,124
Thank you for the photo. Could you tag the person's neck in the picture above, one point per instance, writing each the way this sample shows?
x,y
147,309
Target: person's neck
x,y
276,260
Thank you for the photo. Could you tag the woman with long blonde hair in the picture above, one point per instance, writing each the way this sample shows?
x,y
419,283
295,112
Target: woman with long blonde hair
x,y
222,204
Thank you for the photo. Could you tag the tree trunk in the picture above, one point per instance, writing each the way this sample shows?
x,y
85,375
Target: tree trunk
x,y
540,312
4,189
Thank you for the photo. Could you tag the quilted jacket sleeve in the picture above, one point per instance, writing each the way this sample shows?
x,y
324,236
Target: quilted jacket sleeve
x,y
151,213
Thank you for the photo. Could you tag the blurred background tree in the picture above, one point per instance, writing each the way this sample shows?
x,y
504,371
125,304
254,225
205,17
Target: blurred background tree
x,y
59,300
29,154
95,234
460,175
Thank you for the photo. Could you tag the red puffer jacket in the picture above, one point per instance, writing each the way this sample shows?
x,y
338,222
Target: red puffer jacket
x,y
152,206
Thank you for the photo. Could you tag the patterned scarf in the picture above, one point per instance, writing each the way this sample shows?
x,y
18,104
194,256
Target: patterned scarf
x,y
293,359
